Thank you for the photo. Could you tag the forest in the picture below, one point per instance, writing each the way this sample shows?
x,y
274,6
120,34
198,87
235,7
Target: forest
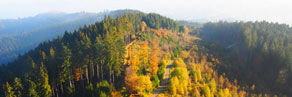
x,y
149,55
258,53
18,36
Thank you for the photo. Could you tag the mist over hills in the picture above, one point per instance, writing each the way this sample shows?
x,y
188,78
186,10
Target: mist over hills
x,y
18,36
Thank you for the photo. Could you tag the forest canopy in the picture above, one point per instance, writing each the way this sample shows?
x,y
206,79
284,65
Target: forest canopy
x,y
256,52
141,55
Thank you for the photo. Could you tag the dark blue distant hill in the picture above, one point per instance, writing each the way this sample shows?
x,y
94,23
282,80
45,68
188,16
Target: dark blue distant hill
x,y
18,36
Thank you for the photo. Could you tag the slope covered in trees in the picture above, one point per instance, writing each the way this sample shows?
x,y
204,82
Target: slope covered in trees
x,y
129,55
256,53
87,62
18,36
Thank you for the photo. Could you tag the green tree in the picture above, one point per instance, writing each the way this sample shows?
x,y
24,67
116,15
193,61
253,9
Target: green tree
x,y
8,90
44,86
65,72
32,89
65,76
18,87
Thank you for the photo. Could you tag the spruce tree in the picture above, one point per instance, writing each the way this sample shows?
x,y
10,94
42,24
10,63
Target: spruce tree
x,y
8,90
18,87
44,86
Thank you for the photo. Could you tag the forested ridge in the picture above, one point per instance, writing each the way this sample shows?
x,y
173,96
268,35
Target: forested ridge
x,y
257,53
135,55
18,36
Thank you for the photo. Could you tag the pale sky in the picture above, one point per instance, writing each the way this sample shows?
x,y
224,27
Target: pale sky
x,y
247,10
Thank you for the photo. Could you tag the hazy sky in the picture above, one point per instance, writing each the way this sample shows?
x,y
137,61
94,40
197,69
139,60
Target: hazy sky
x,y
270,10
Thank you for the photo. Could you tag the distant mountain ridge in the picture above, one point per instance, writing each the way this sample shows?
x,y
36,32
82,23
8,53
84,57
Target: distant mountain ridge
x,y
18,36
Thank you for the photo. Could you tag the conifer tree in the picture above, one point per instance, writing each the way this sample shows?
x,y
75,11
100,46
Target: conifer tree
x,y
18,87
32,89
8,90
44,86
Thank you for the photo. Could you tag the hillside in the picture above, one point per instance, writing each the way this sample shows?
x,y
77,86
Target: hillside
x,y
134,54
18,36
256,53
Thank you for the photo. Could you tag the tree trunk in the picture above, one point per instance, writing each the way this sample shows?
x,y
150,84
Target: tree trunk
x,y
91,72
97,72
53,92
62,90
101,69
86,75
81,78
113,78
110,76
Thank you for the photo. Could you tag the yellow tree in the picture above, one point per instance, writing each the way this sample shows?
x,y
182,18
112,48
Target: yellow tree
x,y
131,76
143,26
213,85
144,84
196,72
144,53
154,57
174,82
179,63
137,83
180,81
224,93
207,91
196,92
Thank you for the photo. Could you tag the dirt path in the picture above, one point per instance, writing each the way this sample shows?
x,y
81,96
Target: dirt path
x,y
163,84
